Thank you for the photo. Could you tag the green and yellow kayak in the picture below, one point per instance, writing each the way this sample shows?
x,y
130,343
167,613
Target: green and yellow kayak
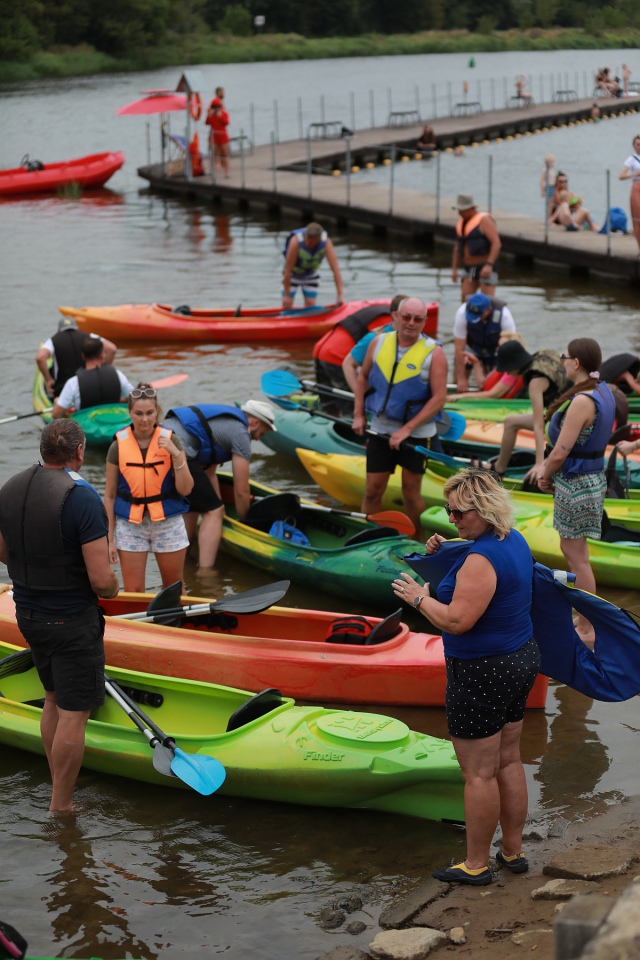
x,y
98,423
271,750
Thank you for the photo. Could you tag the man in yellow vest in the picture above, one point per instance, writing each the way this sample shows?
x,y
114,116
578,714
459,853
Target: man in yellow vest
x,y
404,380
476,249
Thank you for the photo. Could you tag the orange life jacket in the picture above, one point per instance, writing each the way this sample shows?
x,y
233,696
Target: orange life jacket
x,y
146,482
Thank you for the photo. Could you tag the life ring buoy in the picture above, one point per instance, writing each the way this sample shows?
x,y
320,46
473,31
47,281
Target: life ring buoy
x,y
195,106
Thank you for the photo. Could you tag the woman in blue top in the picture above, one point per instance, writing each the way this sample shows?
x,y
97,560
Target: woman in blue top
x,y
483,609
579,425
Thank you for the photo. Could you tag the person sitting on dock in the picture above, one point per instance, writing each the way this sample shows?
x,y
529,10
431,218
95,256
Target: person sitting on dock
x,y
477,329
427,139
571,213
60,356
521,91
98,383
476,250
404,380
211,434
304,251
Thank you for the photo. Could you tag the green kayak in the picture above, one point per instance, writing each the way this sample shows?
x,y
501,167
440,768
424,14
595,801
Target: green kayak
x,y
98,423
496,409
271,748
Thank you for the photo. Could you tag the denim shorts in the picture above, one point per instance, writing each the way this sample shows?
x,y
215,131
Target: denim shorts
x,y
485,693
157,536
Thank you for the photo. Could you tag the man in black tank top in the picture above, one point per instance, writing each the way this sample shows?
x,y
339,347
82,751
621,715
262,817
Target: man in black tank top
x,y
64,348
94,384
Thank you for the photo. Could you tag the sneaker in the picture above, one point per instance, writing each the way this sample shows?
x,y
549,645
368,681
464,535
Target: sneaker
x,y
458,873
517,864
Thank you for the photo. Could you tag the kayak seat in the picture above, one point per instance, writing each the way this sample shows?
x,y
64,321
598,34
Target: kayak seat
x,y
184,310
616,533
356,631
255,707
386,629
372,533
279,506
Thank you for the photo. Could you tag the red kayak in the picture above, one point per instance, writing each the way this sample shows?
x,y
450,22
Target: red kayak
x,y
36,177
283,647
157,321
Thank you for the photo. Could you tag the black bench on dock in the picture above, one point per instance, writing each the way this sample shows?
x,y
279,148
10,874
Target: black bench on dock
x,y
561,96
467,108
327,130
403,118
517,101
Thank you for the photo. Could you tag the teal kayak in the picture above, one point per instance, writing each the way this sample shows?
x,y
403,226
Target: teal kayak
x,y
271,748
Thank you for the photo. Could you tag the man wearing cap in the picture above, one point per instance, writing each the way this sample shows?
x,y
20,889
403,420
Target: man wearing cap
x,y
478,326
476,249
544,379
213,433
94,384
404,380
64,349
304,251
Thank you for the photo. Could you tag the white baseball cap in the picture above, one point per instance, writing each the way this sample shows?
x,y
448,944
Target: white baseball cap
x,y
261,410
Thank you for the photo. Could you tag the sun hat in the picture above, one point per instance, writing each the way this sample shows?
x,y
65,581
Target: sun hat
x,y
512,356
464,202
67,323
262,411
478,304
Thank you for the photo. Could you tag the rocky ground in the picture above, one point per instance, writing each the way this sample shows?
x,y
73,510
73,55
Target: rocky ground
x,y
599,857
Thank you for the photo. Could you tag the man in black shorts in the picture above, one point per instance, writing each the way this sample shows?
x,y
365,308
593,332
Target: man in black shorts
x,y
213,433
404,380
53,538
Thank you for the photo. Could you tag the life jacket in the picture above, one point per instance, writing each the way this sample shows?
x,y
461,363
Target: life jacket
x,y
99,385
549,364
471,237
339,341
146,482
495,376
67,345
309,260
483,335
30,511
587,457
396,388
195,420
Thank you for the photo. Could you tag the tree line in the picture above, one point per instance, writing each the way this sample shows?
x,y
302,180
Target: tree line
x,y
124,27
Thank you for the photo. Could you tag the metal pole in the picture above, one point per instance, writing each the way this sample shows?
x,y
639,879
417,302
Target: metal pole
x,y
352,105
242,156
275,121
300,125
273,162
608,220
308,166
493,93
546,207
449,100
252,124
438,158
149,145
393,164
434,101
371,110
322,108
489,204
504,91
389,103
417,88
348,171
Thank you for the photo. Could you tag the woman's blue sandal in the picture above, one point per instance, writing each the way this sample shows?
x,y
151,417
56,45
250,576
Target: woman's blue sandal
x,y
458,873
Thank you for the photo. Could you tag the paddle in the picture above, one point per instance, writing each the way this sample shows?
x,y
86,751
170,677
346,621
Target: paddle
x,y
156,384
18,662
250,601
283,380
290,503
203,774
162,756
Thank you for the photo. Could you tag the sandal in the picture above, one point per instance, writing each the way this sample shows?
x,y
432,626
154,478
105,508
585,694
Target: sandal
x,y
458,873
517,864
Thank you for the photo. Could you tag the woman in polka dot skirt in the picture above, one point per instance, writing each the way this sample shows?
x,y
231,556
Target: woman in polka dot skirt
x,y
483,610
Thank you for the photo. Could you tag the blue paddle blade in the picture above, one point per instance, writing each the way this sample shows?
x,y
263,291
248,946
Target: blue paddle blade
x,y
279,383
456,426
203,774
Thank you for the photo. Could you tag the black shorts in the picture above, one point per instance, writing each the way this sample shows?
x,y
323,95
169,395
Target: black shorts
x,y
382,459
473,273
485,693
68,652
203,497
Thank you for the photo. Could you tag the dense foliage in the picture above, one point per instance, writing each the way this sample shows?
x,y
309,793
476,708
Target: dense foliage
x,y
136,29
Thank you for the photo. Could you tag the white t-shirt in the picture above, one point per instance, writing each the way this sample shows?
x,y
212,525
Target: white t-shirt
x,y
70,393
632,164
507,324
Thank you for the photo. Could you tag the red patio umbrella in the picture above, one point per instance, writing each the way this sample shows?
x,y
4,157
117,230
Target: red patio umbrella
x,y
156,101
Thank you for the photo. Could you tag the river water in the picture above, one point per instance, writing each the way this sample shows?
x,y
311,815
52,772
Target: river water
x,y
144,874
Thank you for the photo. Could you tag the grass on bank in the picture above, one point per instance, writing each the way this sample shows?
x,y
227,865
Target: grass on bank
x,y
217,48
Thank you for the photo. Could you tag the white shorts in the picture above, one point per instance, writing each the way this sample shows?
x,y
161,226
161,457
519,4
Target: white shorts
x,y
159,536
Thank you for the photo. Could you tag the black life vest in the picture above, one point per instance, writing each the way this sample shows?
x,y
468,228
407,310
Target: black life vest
x,y
67,345
99,385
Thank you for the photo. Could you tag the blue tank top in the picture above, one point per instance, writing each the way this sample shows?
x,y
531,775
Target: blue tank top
x,y
505,626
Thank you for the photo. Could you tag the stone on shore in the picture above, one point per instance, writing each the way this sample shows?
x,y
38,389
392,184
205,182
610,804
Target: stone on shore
x,y
413,944
590,861
404,909
345,953
457,935
564,889
619,936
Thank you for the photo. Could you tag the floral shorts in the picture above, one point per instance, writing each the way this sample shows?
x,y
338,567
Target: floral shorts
x,y
160,536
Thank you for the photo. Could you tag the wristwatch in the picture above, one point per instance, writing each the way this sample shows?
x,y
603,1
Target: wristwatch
x,y
418,600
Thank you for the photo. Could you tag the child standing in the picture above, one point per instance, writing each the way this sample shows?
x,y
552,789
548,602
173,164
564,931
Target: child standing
x,y
548,181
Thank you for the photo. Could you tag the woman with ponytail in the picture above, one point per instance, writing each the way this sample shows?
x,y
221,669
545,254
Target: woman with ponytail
x,y
579,427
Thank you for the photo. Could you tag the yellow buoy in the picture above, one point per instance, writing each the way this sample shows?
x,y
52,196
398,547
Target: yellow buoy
x,y
404,158
509,137
517,136
448,149
336,173
485,143
355,168
370,165
386,161
498,139
527,133
417,156
473,143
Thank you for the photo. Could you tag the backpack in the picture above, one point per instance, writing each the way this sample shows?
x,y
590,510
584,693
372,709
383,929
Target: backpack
x,y
617,221
282,530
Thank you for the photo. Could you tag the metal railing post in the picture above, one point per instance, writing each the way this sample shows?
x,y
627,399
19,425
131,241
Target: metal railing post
x,y
322,120
276,127
608,218
273,162
490,184
449,100
418,99
389,101
393,165
242,171
434,101
352,106
371,109
438,158
348,171
252,124
308,166
546,207
493,93
300,124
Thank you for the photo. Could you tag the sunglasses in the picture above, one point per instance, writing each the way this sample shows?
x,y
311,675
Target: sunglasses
x,y
456,514
410,316
149,392
563,356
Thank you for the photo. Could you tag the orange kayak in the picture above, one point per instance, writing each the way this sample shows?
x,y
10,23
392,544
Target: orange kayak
x,y
90,171
486,431
157,321
283,647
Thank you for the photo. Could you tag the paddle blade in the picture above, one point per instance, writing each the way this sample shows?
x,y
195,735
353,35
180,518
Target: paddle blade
x,y
253,601
169,381
162,759
394,518
18,662
167,598
203,774
453,427
279,383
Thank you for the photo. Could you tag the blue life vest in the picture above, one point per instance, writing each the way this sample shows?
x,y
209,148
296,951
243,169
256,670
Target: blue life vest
x,y
209,452
483,336
396,387
309,260
587,457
